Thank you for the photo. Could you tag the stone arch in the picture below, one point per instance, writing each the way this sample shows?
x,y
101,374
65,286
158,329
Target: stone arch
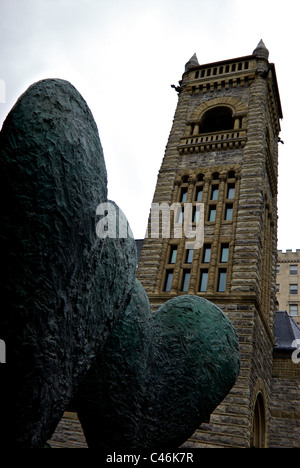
x,y
207,171
238,107
259,417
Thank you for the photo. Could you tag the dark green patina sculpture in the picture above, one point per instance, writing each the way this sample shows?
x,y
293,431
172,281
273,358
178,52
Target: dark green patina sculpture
x,y
159,376
74,318
62,287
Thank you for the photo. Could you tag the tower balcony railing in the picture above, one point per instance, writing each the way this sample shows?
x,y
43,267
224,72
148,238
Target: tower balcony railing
x,y
216,141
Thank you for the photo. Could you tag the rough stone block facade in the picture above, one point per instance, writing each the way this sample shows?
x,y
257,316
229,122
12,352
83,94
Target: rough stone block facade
x,y
223,152
285,404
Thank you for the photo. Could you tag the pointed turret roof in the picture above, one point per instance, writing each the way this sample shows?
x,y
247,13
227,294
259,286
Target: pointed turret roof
x,y
261,50
193,62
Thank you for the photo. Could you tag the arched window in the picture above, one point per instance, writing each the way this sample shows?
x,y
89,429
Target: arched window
x,y
259,423
199,188
217,119
185,179
184,189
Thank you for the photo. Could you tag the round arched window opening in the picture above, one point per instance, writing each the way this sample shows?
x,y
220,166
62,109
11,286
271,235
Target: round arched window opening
x,y
217,119
185,179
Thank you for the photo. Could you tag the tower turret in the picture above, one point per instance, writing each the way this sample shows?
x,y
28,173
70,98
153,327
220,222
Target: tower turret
x,y
193,62
222,153
261,50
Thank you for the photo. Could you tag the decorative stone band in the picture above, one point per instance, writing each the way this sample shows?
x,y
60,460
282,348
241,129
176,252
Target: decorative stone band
x,y
213,142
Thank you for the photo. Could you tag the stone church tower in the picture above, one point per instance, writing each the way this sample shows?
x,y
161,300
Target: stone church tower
x,y
223,152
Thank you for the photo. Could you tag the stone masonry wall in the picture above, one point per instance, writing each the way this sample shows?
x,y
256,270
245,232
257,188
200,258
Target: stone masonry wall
x,y
249,298
285,404
231,423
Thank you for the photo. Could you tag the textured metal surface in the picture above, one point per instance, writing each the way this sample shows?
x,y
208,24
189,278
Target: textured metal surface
x,y
63,288
73,312
160,375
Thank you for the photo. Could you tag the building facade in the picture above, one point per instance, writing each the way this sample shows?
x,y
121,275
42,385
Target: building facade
x,y
285,386
288,283
222,152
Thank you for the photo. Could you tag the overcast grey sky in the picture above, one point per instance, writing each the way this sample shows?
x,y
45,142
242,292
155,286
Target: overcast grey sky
x,y
123,55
